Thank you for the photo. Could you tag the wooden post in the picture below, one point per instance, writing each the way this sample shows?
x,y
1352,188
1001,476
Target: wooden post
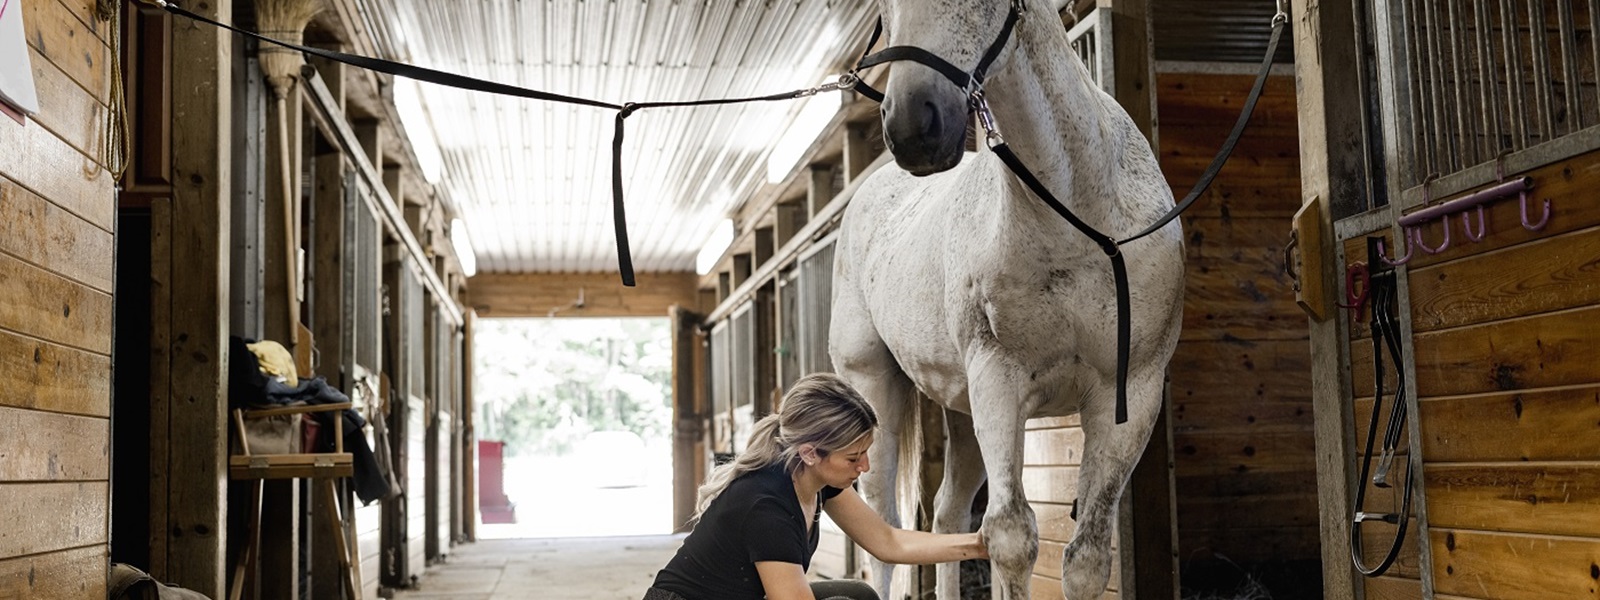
x,y
1147,536
1327,64
819,190
764,245
789,218
369,132
766,361
469,435
329,267
686,417
859,149
196,319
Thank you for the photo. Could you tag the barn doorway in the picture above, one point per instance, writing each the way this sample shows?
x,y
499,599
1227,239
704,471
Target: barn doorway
x,y
574,421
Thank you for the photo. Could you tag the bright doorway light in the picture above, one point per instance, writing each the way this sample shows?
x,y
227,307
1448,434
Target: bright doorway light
x,y
715,246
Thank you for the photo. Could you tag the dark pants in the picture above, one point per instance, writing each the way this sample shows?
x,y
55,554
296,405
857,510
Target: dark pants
x,y
843,589
833,589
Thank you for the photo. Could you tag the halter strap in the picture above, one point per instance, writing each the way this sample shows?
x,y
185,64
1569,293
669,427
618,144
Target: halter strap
x,y
968,82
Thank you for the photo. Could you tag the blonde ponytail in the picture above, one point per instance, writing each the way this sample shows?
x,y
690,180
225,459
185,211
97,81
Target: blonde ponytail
x,y
820,409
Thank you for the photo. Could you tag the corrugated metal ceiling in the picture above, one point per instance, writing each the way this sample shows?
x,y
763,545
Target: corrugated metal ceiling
x,y
531,179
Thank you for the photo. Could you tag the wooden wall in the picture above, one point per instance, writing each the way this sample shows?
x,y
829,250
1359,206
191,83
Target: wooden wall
x,y
57,218
1051,455
537,294
1240,380
1506,338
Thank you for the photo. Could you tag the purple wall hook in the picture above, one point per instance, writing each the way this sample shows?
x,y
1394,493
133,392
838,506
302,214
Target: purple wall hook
x,y
1542,220
1466,225
1416,233
1410,249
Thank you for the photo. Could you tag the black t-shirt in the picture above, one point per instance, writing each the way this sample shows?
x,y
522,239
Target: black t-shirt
x,y
757,518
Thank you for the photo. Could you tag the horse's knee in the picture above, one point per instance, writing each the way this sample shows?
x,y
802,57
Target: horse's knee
x,y
1012,538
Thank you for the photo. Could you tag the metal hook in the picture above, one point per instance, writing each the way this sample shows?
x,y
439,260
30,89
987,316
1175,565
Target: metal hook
x,y
1523,199
1416,232
1466,225
1283,13
980,105
1384,254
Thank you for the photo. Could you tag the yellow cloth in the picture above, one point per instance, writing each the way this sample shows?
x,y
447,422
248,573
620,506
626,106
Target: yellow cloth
x,y
275,361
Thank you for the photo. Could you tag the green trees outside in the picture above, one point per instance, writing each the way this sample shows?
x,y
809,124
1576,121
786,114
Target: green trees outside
x,y
543,384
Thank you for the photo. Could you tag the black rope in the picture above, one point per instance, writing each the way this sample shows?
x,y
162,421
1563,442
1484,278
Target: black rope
x,y
1226,151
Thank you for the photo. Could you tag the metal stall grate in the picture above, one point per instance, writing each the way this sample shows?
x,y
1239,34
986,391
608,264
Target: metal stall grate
x,y
742,364
1475,79
721,389
816,308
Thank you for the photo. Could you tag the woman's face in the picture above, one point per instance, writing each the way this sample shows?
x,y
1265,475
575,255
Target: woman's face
x,y
840,469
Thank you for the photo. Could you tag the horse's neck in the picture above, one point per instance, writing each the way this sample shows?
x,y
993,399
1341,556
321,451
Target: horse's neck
x,y
1050,114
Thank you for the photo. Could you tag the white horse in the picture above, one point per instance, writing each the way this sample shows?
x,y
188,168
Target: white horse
x,y
953,279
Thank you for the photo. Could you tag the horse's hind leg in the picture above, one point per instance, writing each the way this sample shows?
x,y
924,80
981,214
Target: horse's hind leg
x,y
952,507
1110,451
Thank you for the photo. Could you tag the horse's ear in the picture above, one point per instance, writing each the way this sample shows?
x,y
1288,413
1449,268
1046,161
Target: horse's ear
x,y
1059,5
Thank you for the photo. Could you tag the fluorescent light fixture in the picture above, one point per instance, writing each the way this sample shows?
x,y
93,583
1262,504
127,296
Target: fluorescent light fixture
x,y
715,246
408,100
802,132
463,245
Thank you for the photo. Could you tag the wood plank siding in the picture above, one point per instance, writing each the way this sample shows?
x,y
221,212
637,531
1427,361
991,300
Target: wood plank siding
x,y
1504,337
1243,440
1507,335
57,213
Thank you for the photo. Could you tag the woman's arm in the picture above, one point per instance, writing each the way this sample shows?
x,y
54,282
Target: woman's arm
x,y
899,546
783,581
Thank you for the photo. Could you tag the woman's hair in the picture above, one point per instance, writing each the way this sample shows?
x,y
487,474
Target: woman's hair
x,y
820,409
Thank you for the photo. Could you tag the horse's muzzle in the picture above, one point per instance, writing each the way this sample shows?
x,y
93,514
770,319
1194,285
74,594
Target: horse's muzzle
x,y
925,127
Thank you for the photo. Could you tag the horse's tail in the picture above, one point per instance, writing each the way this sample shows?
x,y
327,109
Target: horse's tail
x,y
909,482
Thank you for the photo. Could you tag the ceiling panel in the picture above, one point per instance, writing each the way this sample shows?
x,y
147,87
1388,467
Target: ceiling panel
x,y
532,179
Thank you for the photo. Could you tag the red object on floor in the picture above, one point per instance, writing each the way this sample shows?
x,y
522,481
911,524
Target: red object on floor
x,y
493,505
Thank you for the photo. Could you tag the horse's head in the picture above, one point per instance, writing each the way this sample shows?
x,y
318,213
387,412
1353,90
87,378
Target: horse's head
x,y
925,114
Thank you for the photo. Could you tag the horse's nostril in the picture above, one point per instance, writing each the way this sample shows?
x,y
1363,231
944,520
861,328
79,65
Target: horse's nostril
x,y
931,125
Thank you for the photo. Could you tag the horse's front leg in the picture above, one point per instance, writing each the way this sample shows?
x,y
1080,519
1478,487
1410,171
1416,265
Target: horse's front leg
x,y
891,394
1001,401
952,507
1110,451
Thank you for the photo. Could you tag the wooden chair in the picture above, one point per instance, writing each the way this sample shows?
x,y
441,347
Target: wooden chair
x,y
323,468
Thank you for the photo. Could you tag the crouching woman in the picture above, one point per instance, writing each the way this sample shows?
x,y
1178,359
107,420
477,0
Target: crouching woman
x,y
756,518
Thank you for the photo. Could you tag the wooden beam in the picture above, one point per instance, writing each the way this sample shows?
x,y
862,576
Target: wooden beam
x,y
196,350
742,266
369,134
788,220
819,187
1326,62
764,244
860,148
538,294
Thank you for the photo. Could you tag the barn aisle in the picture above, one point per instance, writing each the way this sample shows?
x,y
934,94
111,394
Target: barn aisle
x,y
610,568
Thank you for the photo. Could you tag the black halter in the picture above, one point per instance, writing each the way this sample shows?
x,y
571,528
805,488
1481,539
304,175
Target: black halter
x,y
971,84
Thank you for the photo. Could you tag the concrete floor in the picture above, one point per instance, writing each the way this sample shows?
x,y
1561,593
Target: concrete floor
x,y
609,568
